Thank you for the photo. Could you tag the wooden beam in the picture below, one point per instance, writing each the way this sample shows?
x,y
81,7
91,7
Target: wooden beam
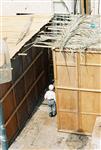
x,y
87,7
82,7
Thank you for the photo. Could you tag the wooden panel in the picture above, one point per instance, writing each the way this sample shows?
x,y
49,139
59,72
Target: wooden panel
x,y
68,121
35,51
67,76
90,102
45,80
23,113
4,88
63,58
27,59
16,63
41,82
32,100
8,106
87,123
67,100
29,77
91,58
19,91
36,93
90,77
39,65
12,128
46,65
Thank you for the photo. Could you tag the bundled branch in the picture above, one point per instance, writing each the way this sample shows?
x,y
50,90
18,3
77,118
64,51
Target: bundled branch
x,y
76,32
80,34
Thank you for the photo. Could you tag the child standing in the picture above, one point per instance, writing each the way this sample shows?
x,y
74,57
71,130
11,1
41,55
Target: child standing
x,y
50,96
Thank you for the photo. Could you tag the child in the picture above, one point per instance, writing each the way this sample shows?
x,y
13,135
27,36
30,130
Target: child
x,y
50,96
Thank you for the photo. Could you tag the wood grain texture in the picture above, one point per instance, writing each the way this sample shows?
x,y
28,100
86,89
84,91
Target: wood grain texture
x,y
78,90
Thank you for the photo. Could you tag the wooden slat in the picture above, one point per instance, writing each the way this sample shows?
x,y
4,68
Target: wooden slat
x,y
82,7
90,102
68,74
68,121
90,77
78,89
67,100
87,123
87,7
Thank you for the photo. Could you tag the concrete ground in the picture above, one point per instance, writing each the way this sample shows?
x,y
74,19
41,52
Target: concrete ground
x,y
40,133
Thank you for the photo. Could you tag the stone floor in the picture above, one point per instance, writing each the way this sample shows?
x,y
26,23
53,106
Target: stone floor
x,y
41,133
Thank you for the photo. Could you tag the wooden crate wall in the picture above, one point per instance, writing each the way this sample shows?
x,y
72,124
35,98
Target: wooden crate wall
x,y
78,90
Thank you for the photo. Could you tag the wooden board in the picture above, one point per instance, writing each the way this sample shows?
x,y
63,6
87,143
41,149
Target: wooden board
x,y
68,121
78,90
67,100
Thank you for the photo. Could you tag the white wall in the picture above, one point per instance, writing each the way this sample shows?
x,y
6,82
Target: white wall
x,y
95,6
60,7
11,7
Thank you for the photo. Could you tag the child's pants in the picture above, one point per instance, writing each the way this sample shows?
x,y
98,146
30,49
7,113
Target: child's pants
x,y
52,106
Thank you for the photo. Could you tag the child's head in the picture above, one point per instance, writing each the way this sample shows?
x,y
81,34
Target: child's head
x,y
51,87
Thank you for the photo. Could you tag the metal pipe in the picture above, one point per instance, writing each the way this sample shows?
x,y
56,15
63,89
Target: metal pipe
x,y
3,136
5,76
44,46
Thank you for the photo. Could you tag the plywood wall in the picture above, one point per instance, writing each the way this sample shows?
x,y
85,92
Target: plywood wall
x,y
78,90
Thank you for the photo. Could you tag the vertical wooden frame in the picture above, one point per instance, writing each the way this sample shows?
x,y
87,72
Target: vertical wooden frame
x,y
83,9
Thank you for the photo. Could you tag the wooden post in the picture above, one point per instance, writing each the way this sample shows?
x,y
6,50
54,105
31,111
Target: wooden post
x,y
82,7
85,7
